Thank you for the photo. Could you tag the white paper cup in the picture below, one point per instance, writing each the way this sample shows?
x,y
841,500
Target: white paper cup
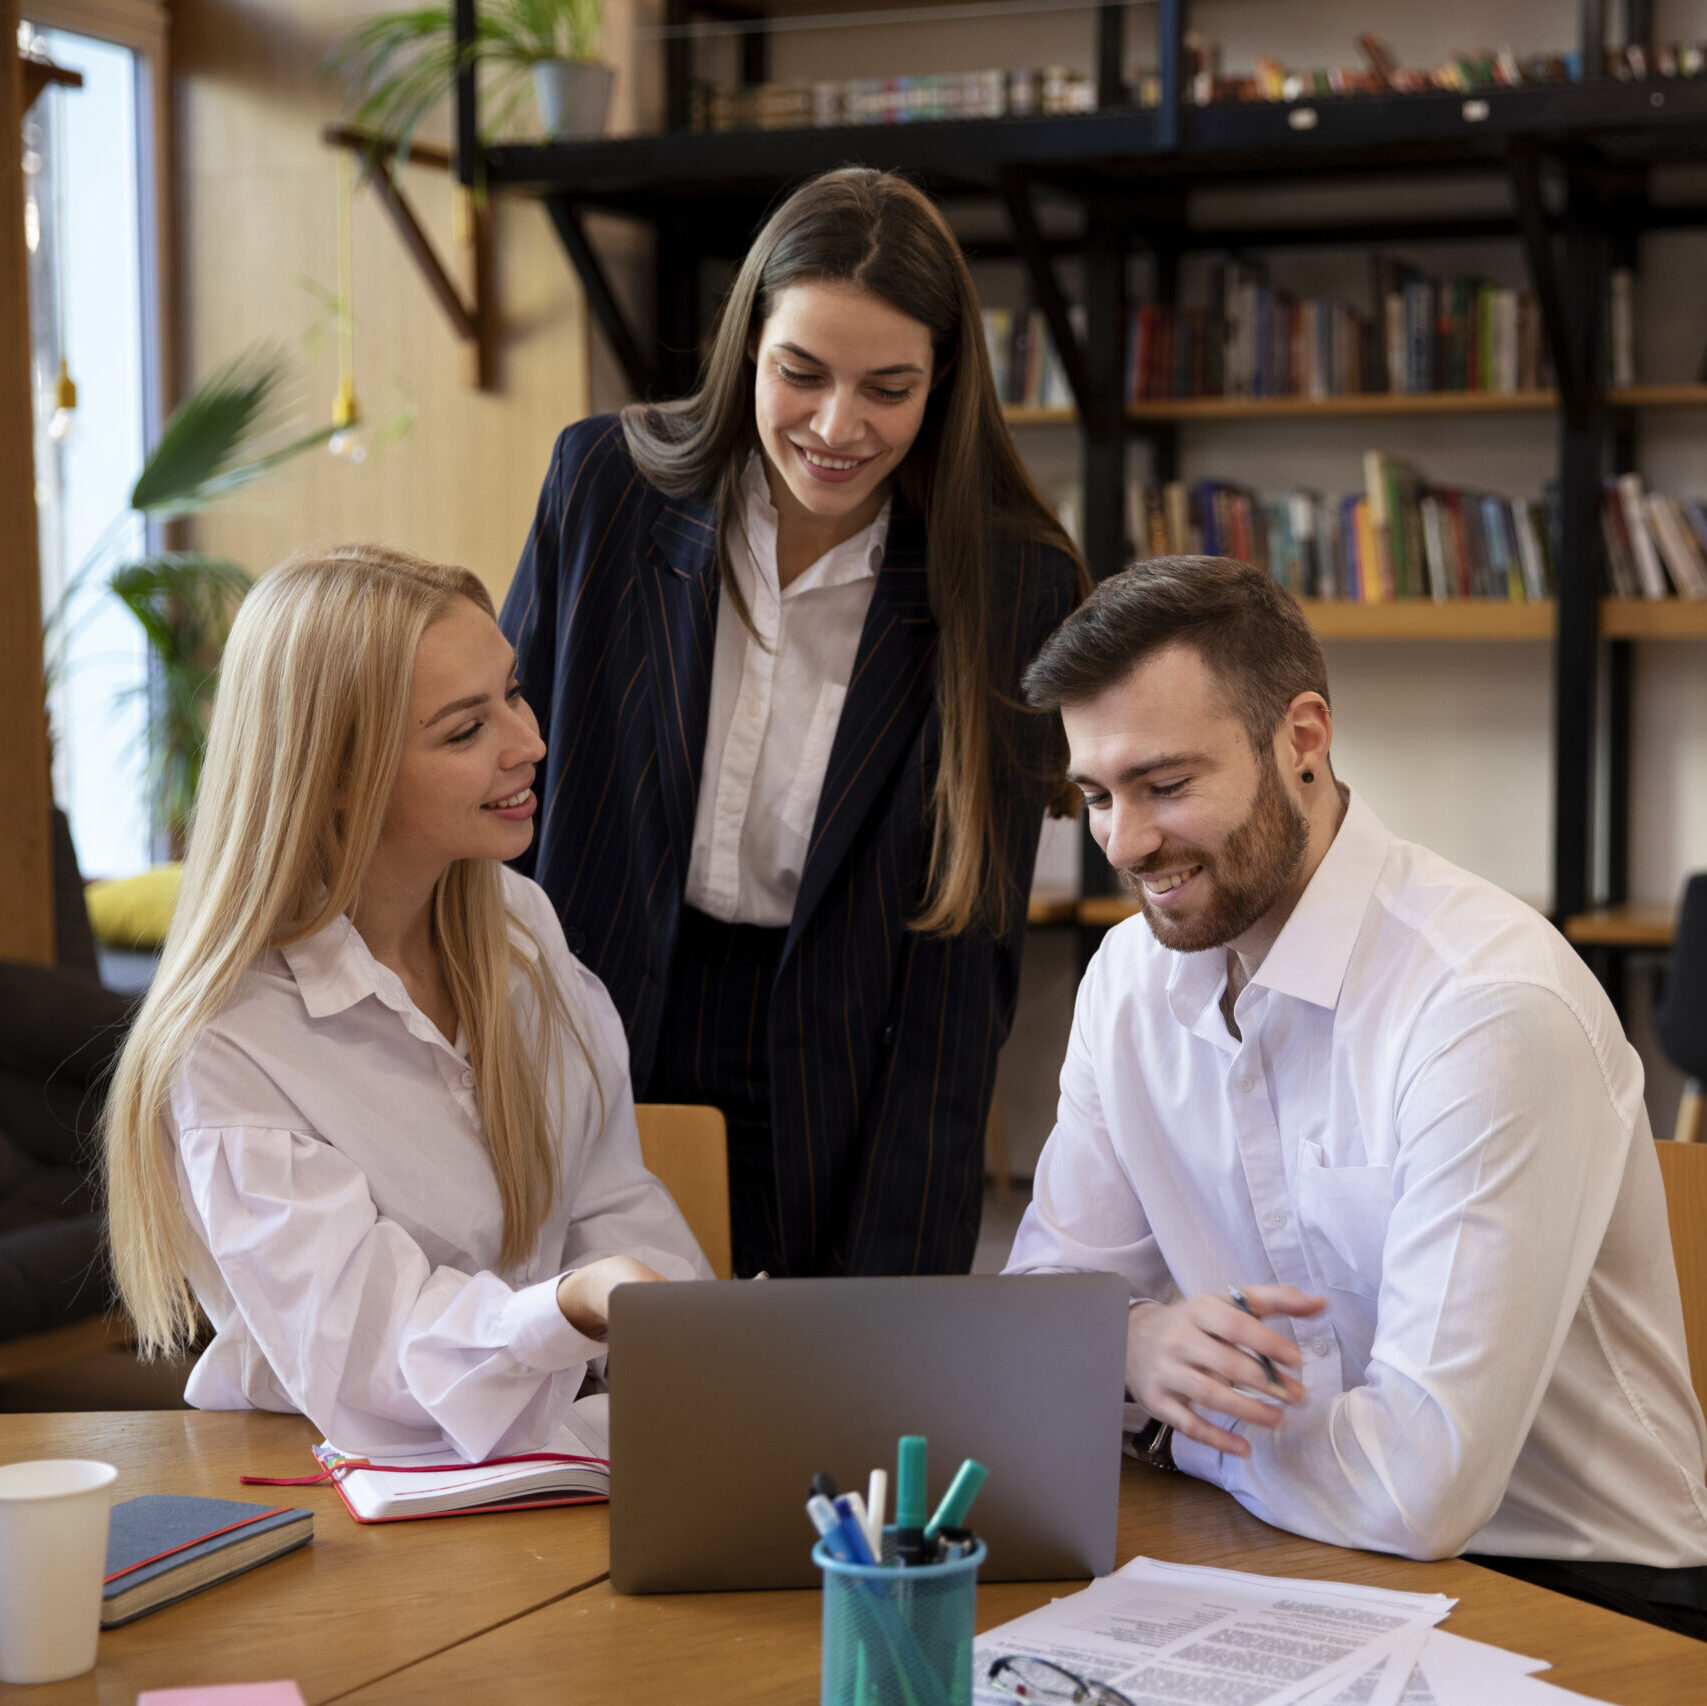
x,y
53,1554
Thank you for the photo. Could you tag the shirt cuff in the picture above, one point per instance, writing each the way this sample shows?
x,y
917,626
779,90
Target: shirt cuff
x,y
1192,1457
538,1335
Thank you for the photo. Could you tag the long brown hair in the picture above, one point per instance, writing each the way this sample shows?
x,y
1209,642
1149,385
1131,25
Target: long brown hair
x,y
962,475
306,731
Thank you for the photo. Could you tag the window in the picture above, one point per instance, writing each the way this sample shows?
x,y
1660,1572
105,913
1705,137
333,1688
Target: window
x,y
89,231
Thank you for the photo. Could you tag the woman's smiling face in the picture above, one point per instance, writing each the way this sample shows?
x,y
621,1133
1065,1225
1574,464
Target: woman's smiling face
x,y
464,783
840,395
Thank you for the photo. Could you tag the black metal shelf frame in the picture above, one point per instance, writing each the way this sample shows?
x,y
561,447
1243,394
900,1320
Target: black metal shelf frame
x,y
1575,159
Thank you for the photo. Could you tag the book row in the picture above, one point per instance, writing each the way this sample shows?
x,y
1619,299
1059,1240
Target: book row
x,y
1252,340
1655,545
892,100
998,93
1397,538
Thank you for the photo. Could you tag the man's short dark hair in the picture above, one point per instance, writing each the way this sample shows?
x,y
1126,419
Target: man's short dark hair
x,y
1244,625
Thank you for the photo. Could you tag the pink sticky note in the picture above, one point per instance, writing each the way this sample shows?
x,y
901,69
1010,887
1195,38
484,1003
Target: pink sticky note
x,y
228,1694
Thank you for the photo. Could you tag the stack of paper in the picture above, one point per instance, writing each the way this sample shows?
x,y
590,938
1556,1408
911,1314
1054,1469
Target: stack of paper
x,y
1163,1634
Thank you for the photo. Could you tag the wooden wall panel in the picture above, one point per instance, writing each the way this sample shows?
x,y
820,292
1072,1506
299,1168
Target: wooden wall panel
x,y
26,868
256,209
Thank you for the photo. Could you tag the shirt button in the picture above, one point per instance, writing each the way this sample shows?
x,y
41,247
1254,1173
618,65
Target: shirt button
x,y
1277,1218
1243,1086
1319,1347
468,1078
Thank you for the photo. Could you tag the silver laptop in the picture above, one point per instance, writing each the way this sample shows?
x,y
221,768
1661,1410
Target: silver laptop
x,y
727,1397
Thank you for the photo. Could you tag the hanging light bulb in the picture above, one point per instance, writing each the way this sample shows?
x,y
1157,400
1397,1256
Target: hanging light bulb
x,y
64,387
64,405
347,441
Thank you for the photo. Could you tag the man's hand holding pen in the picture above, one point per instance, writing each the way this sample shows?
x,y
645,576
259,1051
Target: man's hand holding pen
x,y
1203,1354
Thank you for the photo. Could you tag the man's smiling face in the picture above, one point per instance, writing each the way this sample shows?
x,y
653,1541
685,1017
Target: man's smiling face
x,y
1200,828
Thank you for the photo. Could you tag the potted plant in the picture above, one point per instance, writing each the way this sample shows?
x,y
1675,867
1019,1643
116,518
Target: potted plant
x,y
400,65
221,437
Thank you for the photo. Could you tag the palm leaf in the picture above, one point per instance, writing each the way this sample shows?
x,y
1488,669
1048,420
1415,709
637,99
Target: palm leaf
x,y
183,602
209,436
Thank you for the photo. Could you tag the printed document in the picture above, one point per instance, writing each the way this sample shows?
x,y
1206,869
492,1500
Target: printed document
x,y
1175,1635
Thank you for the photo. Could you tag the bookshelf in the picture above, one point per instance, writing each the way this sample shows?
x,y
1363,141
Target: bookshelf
x,y
1365,403
1433,620
1653,619
1356,404
1658,397
1573,162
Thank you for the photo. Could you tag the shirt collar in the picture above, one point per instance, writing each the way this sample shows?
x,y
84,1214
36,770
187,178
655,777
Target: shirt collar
x,y
858,558
334,969
1313,950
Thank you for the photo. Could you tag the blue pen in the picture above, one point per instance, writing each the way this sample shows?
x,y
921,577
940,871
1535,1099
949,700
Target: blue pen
x,y
831,1528
853,1531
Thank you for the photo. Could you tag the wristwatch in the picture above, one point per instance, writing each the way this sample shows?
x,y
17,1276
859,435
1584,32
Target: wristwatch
x,y
1154,1443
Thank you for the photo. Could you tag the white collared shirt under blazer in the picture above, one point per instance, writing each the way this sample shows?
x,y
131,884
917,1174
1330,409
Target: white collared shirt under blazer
x,y
777,691
1433,1119
334,1161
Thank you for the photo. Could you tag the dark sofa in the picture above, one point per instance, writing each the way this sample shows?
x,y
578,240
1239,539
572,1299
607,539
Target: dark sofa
x,y
59,1032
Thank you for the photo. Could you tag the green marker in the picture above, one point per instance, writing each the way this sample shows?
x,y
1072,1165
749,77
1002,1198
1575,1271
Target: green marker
x,y
957,1501
910,1499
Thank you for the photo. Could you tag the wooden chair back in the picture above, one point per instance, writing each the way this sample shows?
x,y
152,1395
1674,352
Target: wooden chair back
x,y
687,1148
1683,1166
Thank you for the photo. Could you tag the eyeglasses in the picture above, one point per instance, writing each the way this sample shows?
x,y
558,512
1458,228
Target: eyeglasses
x,y
1038,1679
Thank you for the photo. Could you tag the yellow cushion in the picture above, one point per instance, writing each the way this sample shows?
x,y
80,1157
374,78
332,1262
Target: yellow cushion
x,y
134,912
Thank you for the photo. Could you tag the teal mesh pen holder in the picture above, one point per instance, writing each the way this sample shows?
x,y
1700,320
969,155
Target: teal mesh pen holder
x,y
896,1637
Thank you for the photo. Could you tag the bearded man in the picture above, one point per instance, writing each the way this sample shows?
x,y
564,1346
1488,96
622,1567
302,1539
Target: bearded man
x,y
1361,1132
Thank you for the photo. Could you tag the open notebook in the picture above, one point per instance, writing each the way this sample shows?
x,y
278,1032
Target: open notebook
x,y
396,1485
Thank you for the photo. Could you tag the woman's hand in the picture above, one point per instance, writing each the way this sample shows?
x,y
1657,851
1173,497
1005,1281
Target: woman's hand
x,y
1189,1356
584,1296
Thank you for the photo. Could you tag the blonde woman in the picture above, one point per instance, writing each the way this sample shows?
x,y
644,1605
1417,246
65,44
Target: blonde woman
x,y
373,1117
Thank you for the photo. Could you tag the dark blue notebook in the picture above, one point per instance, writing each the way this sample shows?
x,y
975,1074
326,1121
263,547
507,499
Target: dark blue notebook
x,y
163,1546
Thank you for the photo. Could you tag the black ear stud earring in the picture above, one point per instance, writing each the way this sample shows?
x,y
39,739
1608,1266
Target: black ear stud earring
x,y
1309,776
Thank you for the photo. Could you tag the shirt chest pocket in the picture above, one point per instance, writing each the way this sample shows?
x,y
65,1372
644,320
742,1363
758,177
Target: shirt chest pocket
x,y
1343,1214
800,804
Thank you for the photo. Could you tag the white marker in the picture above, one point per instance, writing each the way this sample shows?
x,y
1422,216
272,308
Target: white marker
x,y
876,1497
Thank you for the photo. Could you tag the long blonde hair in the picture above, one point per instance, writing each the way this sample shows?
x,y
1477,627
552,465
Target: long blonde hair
x,y
305,739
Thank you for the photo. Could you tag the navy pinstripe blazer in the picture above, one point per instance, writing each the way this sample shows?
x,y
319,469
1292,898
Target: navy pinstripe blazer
x,y
882,1041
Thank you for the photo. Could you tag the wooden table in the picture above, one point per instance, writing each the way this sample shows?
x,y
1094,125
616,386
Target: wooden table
x,y
762,1649
354,1606
1623,927
515,1610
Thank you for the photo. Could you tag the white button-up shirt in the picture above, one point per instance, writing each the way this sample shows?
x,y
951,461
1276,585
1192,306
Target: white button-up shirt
x,y
335,1167
1432,1118
776,698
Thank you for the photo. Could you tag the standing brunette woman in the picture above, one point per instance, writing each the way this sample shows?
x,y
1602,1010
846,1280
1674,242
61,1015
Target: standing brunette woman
x,y
790,802
372,1117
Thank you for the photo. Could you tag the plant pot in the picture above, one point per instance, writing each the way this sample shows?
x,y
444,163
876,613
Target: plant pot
x,y
573,96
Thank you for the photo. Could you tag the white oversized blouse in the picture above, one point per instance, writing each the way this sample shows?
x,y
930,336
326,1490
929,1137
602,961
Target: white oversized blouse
x,y
334,1163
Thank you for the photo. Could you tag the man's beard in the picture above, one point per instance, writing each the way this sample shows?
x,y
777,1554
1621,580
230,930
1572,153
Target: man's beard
x,y
1244,878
